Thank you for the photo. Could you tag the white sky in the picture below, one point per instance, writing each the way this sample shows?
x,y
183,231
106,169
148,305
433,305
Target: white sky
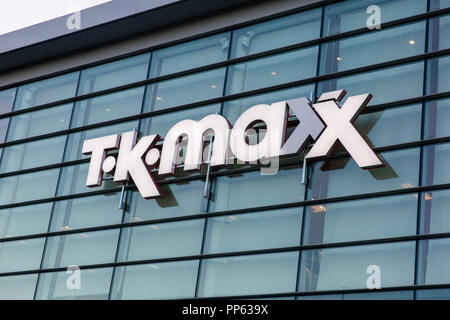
x,y
18,14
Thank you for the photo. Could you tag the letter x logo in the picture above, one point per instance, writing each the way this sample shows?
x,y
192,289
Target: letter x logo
x,y
339,127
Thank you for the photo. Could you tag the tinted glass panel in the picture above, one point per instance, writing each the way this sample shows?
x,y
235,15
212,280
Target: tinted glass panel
x,y
439,28
19,287
276,33
436,160
25,220
7,100
253,274
435,294
437,117
438,77
21,255
45,91
114,74
434,211
434,261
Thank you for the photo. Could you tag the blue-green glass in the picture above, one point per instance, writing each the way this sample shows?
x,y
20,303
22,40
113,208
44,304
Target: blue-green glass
x,y
107,107
343,177
372,48
81,249
361,219
232,109
273,70
438,33
277,33
386,295
39,122
161,124
438,75
346,268
170,280
32,154
434,217
436,160
189,55
349,15
184,90
163,240
27,187
26,220
252,189
391,126
21,255
251,274
242,232
46,91
7,100
94,285
386,85
433,294
20,287
434,261
75,140
180,199
114,74
86,212
437,118
439,4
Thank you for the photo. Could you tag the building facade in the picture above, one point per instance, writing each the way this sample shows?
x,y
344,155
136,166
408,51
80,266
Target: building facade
x,y
324,230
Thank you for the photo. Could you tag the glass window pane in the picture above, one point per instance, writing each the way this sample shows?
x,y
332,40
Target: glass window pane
x,y
361,219
75,140
433,294
346,267
27,187
19,287
342,176
277,69
163,240
386,295
107,107
242,232
25,220
189,55
45,91
252,189
161,124
7,100
114,74
86,212
81,249
32,154
438,77
39,122
434,261
185,90
383,84
391,126
436,160
245,275
232,109
434,211
372,48
277,33
180,199
349,15
171,280
21,255
439,4
437,118
438,33
94,285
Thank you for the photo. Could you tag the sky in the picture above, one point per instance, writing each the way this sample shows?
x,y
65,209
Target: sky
x,y
18,14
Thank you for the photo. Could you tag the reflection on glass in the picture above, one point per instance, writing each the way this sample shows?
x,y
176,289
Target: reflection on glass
x,y
433,294
346,268
434,261
277,33
20,221
7,100
95,284
434,215
39,122
438,75
21,255
385,217
114,74
277,69
245,275
435,167
437,117
20,287
438,30
46,91
190,55
242,232
170,280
